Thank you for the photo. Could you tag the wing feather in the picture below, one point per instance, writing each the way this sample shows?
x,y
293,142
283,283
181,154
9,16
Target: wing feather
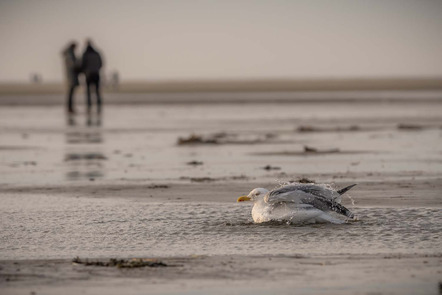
x,y
319,197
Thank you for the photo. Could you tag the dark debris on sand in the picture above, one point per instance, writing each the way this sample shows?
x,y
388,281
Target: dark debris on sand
x,y
198,179
225,138
416,127
196,139
304,180
210,179
309,149
121,263
238,177
157,186
88,156
269,167
194,163
409,127
308,128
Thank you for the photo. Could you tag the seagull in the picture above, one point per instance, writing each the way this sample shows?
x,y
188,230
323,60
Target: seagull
x,y
298,203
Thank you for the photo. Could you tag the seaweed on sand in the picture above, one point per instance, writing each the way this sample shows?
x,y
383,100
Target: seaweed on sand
x,y
308,129
409,127
269,167
195,163
225,138
305,180
196,139
157,186
309,149
121,263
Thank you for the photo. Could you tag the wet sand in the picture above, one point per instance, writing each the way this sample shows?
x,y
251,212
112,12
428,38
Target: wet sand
x,y
398,194
353,274
131,155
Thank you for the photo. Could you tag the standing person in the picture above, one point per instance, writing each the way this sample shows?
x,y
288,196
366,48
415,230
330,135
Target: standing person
x,y
72,71
91,65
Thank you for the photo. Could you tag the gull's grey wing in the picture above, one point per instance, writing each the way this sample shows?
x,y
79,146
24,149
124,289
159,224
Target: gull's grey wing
x,y
317,196
311,189
327,205
289,193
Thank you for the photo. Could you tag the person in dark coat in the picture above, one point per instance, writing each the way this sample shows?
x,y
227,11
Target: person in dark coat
x,y
73,69
91,65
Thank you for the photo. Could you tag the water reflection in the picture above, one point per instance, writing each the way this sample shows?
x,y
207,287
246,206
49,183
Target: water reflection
x,y
84,157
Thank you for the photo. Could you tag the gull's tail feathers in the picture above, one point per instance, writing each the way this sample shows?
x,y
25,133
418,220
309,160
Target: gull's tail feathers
x,y
345,189
338,208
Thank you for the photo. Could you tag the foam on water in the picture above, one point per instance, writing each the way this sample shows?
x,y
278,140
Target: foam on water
x,y
59,227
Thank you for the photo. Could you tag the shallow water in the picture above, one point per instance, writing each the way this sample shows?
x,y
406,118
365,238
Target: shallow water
x,y
41,146
38,226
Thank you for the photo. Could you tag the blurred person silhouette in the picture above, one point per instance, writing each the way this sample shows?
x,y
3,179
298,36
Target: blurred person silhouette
x,y
73,69
91,65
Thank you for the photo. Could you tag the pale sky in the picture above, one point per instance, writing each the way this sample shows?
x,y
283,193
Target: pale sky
x,y
226,39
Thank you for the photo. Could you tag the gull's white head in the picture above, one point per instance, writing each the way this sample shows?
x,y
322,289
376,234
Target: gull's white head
x,y
254,195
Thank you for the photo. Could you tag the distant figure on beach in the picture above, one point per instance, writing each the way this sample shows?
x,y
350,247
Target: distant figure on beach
x,y
36,78
72,71
115,80
91,65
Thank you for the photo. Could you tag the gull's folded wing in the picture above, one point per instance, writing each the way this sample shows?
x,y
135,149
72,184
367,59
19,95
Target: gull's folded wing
x,y
327,205
311,189
319,197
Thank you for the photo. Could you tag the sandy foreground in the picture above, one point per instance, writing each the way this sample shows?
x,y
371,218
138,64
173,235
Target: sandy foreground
x,y
233,274
379,274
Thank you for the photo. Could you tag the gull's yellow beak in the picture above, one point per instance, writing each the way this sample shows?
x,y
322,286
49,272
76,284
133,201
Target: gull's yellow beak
x,y
243,198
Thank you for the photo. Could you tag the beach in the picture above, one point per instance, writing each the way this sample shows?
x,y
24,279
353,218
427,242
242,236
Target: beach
x,y
156,177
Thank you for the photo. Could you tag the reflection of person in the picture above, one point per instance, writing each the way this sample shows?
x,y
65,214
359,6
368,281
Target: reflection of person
x,y
91,65
72,71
